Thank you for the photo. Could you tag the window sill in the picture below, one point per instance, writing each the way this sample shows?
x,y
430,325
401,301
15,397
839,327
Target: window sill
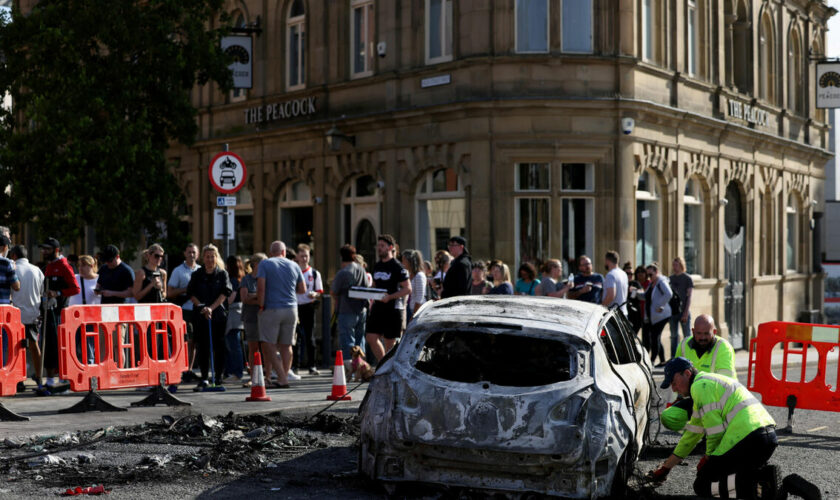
x,y
767,278
794,276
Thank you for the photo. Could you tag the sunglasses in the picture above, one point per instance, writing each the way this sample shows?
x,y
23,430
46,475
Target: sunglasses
x,y
157,255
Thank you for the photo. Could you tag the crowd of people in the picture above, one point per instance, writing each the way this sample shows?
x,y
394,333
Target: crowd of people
x,y
268,302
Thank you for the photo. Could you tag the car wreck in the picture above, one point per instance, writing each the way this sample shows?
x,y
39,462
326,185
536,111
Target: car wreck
x,y
521,394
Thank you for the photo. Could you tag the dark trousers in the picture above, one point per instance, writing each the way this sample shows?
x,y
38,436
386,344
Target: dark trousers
x,y
202,343
51,339
306,339
742,461
654,343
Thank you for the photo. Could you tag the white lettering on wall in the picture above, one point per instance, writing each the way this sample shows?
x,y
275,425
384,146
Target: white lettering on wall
x,y
281,110
747,112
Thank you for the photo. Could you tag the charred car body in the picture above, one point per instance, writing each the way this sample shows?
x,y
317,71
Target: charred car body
x,y
510,394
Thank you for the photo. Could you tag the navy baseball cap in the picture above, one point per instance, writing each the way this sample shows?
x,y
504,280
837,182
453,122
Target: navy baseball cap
x,y
676,365
50,244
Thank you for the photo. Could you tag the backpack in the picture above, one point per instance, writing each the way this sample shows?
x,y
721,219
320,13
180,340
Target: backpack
x,y
675,303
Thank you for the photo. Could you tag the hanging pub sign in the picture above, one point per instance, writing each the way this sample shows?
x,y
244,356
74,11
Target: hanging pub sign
x,y
239,48
828,85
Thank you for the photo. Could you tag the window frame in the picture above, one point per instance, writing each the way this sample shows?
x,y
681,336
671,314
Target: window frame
x,y
368,8
300,23
692,38
696,201
448,6
591,28
520,189
792,251
426,195
516,29
653,196
767,54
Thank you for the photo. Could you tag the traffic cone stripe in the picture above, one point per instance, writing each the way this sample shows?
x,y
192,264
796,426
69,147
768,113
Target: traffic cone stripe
x,y
257,381
339,387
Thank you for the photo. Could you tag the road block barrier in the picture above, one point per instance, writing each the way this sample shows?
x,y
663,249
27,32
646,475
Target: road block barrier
x,y
12,356
795,338
121,346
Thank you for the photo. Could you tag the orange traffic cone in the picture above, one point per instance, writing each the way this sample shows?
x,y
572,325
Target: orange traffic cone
x,y
339,388
257,381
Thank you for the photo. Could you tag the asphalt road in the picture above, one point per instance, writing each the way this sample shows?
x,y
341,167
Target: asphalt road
x,y
810,451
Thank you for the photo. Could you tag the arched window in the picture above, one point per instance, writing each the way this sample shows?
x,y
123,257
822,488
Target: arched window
x,y
295,217
296,48
792,247
694,228
796,73
767,60
441,210
361,213
648,218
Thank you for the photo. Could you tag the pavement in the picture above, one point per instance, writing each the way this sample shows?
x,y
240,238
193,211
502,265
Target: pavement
x,y
308,393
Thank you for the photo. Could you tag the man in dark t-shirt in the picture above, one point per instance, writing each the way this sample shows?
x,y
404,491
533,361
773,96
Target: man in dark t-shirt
x,y
387,316
116,278
588,286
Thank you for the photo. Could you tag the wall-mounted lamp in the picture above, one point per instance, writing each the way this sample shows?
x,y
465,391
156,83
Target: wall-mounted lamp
x,y
724,202
334,138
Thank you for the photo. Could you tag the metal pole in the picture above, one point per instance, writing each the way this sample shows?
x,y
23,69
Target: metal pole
x,y
225,240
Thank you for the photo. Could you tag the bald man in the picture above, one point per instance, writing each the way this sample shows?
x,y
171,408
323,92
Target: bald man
x,y
709,353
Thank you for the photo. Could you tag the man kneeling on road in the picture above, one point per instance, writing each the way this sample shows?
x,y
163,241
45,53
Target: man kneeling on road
x,y
740,435
708,353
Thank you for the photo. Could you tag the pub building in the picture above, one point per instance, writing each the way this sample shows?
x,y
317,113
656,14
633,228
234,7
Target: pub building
x,y
536,129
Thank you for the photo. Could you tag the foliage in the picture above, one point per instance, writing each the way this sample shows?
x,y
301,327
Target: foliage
x,y
99,89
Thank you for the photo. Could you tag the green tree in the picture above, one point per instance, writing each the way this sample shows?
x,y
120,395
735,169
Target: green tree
x,y
99,89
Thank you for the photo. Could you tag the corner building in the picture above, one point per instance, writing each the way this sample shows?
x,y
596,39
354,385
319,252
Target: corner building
x,y
506,122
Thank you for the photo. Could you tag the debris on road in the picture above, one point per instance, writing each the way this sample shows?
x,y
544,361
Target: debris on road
x,y
92,490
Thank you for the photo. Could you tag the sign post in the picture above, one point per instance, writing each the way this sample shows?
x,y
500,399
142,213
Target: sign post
x,y
227,169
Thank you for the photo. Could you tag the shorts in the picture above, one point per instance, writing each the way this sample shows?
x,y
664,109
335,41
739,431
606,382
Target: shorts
x,y
188,319
277,326
385,321
252,332
32,332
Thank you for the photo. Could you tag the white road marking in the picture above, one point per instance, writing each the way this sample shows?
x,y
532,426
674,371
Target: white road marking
x,y
815,429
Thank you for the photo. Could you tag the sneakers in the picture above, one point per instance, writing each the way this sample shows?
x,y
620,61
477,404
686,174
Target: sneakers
x,y
799,486
292,376
769,482
201,386
314,371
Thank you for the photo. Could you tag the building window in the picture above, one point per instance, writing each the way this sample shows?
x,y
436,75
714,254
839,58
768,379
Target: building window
x,y
795,73
768,231
361,37
647,30
238,95
577,26
361,213
243,223
533,181
296,50
532,26
792,232
295,213
740,56
441,210
438,31
694,235
578,212
648,207
767,60
691,38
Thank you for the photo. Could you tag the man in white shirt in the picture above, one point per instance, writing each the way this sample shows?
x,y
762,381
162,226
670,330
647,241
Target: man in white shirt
x,y
176,291
615,283
306,344
28,300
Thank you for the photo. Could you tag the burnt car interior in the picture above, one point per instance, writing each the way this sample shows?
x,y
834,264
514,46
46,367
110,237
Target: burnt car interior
x,y
471,356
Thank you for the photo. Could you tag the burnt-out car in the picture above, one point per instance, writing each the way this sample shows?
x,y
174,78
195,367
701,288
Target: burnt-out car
x,y
523,394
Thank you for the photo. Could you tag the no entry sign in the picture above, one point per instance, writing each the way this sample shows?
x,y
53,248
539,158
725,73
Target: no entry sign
x,y
227,172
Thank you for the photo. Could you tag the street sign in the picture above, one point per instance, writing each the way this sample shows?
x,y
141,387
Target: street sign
x,y
219,224
226,201
227,172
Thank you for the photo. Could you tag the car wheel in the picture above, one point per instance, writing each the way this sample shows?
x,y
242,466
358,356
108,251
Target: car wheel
x,y
623,471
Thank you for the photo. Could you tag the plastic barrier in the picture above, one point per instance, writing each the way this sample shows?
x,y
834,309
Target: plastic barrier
x,y
121,346
795,338
12,357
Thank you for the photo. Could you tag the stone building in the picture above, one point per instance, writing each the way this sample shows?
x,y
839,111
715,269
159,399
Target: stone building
x,y
537,129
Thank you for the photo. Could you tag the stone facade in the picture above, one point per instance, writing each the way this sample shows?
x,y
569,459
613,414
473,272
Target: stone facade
x,y
509,131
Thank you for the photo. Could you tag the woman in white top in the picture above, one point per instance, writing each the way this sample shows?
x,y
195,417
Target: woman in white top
x,y
413,261
86,279
87,282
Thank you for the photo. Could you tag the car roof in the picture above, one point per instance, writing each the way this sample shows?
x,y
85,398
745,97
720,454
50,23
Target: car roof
x,y
570,316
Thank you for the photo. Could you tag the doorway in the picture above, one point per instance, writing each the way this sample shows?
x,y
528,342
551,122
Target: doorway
x,y
734,245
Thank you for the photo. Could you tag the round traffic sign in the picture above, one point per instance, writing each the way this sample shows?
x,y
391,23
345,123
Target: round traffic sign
x,y
227,172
